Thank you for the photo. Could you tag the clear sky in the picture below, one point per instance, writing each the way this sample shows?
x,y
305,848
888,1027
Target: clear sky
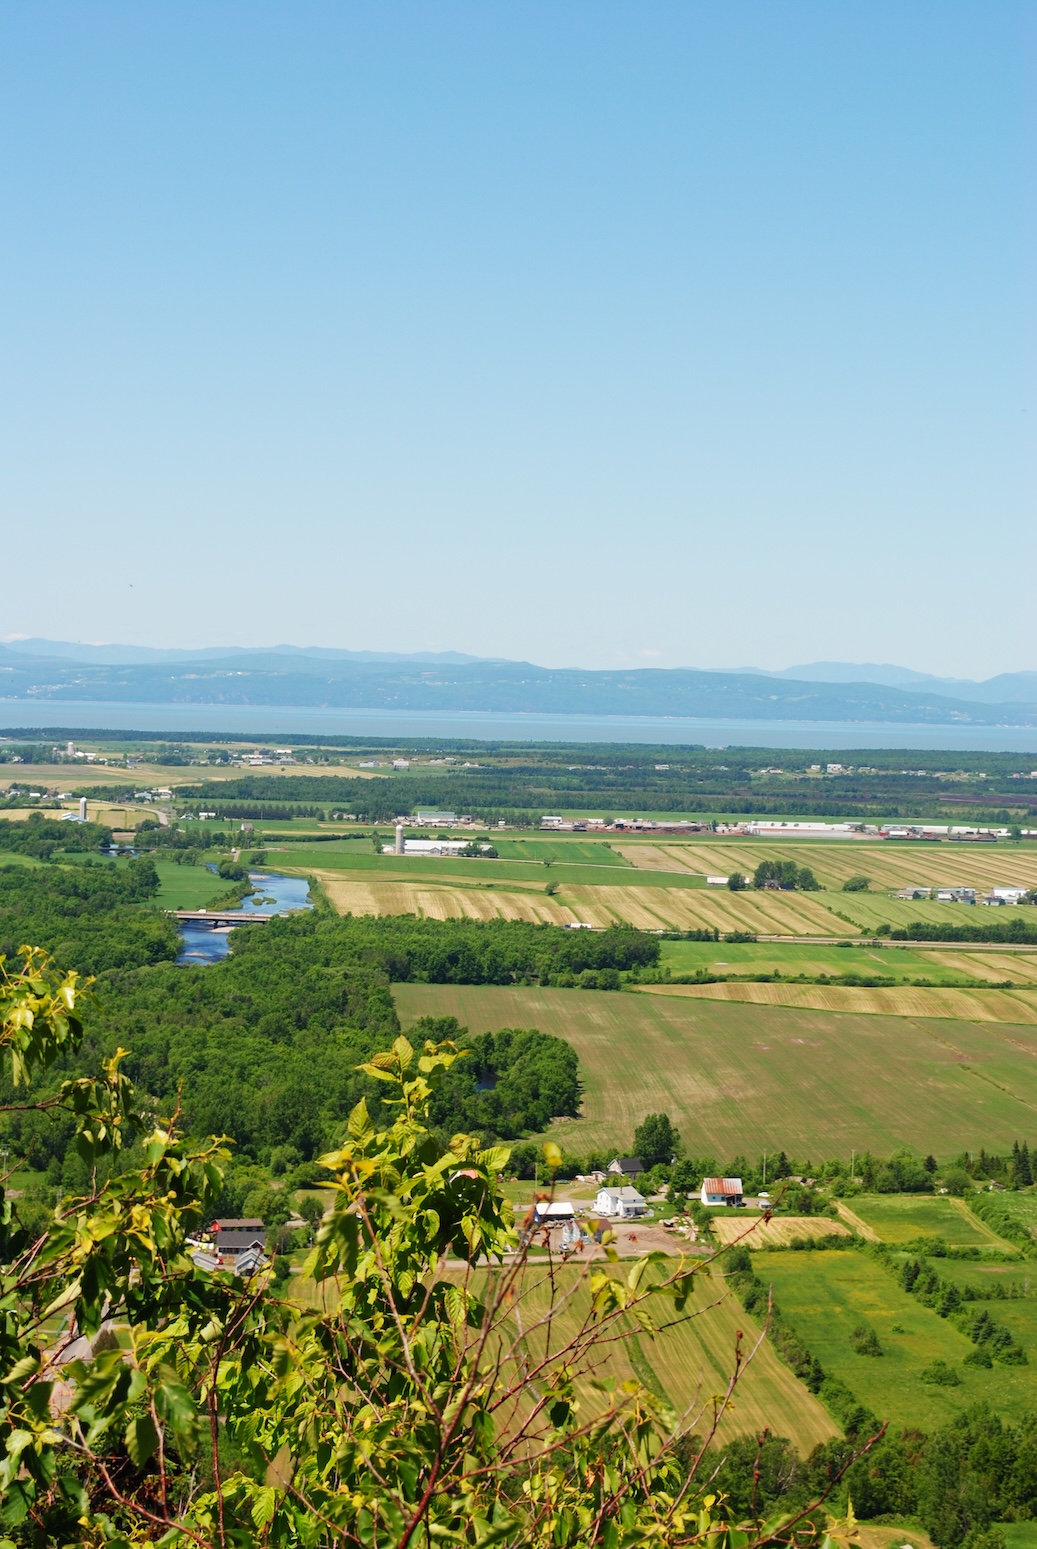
x,y
676,334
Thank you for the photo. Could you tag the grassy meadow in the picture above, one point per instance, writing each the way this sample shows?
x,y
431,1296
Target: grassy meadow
x,y
825,1296
738,1077
186,887
897,1218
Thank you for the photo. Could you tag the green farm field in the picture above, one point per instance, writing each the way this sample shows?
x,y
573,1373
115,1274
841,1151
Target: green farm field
x,y
353,856
186,887
591,852
900,963
736,1078
897,1218
824,1296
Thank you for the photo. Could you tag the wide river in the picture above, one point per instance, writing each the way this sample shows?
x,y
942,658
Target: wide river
x,y
268,721
277,895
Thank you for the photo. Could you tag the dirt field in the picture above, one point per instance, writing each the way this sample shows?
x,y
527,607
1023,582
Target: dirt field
x,y
1018,1007
778,1232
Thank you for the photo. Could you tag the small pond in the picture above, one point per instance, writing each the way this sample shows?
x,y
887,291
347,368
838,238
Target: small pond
x,y
274,895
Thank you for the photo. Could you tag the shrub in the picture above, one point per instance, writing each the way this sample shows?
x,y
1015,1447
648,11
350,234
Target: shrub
x,y
941,1375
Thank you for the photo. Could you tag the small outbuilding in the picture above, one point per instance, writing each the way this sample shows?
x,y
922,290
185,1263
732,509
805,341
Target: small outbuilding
x,y
721,1191
555,1212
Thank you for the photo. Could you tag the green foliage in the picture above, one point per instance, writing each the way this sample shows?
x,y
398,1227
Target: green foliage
x,y
785,874
1017,931
86,915
995,1341
656,1140
857,884
224,1413
44,837
865,1341
941,1374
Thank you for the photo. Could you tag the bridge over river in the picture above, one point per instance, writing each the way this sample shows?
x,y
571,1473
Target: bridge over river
x,y
219,919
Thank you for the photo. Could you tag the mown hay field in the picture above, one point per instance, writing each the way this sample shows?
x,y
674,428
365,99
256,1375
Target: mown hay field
x,y
1020,967
737,1078
756,1233
889,863
357,893
659,908
690,1364
1017,1007
825,1296
897,1218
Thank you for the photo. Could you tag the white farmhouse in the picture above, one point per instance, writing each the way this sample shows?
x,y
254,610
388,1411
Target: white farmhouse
x,y
623,1201
721,1191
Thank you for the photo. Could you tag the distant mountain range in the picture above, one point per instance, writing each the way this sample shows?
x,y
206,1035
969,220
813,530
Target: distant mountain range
x,y
146,655
1006,688
33,672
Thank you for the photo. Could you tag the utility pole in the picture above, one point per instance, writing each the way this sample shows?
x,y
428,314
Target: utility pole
x,y
765,1169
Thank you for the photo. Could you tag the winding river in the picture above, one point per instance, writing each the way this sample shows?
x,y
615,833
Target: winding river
x,y
276,895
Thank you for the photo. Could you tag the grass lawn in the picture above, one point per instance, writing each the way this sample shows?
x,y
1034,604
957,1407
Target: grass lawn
x,y
897,1218
825,1296
737,1078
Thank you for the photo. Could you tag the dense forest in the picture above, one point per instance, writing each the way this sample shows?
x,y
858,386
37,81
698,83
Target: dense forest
x,y
264,1046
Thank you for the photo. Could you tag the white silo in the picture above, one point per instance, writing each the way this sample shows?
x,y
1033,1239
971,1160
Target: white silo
x,y
399,839
82,809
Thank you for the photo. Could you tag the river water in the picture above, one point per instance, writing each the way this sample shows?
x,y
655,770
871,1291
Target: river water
x,y
254,721
276,895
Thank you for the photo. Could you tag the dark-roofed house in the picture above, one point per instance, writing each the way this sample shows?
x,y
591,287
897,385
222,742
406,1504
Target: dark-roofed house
x,y
239,1244
625,1166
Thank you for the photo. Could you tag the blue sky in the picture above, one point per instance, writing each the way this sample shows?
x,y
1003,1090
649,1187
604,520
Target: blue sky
x,y
595,334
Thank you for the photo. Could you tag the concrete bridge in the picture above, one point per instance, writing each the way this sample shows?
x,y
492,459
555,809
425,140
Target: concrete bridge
x,y
217,919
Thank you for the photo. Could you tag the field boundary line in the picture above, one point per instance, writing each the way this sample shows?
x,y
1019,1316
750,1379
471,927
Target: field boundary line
x,y
976,1221
859,1225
